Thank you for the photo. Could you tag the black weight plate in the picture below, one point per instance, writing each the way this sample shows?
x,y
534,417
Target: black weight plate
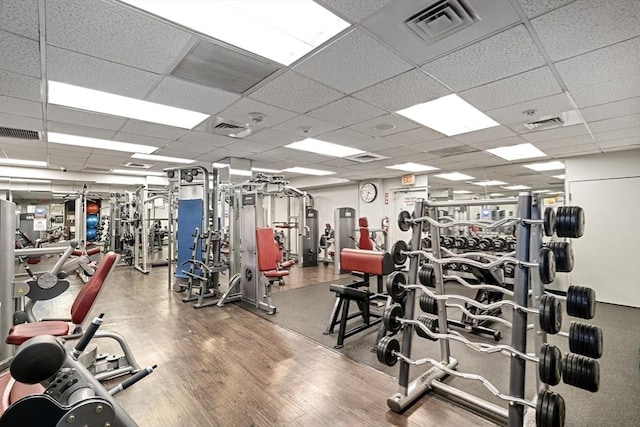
x,y
594,342
549,221
499,244
546,265
485,244
593,375
390,317
557,408
430,323
427,276
542,407
550,364
396,252
385,348
577,222
428,304
573,337
425,243
561,222
572,307
590,304
395,291
550,314
404,219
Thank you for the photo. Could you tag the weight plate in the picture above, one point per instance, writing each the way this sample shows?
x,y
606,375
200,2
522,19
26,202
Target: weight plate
x,y
404,219
561,222
549,221
593,375
557,409
550,314
550,364
571,301
461,242
574,339
431,323
385,350
577,222
546,265
428,304
390,317
499,244
593,342
590,303
425,243
427,276
394,290
542,408
396,252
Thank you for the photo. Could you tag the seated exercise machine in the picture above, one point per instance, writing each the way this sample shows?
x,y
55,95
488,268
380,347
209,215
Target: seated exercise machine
x,y
366,262
102,366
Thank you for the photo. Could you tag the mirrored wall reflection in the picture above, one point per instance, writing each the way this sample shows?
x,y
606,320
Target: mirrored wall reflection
x,y
233,170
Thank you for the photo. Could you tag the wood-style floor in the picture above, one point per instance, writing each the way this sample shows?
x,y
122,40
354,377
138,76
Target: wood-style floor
x,y
228,367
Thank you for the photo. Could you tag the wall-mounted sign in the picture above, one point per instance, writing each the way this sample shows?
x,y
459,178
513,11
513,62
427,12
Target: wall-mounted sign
x,y
386,198
408,179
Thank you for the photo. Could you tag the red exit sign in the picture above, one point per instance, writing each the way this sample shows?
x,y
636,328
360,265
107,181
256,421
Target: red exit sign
x,y
408,179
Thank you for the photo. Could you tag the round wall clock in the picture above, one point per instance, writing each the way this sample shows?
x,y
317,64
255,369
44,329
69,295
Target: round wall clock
x,y
368,192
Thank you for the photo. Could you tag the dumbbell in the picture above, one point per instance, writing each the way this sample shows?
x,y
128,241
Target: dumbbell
x,y
581,302
447,242
568,221
485,244
549,406
499,244
564,255
473,242
511,244
461,242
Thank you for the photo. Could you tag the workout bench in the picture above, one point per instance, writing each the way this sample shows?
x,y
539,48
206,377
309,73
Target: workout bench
x,y
368,263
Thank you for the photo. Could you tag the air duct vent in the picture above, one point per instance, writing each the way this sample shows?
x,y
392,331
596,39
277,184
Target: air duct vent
x,y
553,121
137,165
366,157
452,151
442,19
227,126
19,133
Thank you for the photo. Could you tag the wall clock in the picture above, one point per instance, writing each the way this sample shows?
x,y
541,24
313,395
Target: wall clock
x,y
368,192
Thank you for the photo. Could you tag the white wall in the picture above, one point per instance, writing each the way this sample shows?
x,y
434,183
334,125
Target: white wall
x,y
607,187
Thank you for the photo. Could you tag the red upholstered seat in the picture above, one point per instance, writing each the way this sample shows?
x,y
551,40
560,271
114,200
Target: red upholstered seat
x,y
268,254
79,310
276,273
288,264
364,242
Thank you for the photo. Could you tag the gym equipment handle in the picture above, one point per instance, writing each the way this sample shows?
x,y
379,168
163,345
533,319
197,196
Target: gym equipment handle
x,y
86,337
132,380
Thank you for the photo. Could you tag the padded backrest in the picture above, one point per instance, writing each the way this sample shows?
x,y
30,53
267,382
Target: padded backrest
x,y
364,242
267,250
90,291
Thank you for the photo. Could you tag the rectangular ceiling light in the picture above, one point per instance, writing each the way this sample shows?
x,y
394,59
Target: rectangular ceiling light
x,y
161,158
322,147
517,152
516,187
116,105
541,191
265,170
103,144
450,115
546,166
239,172
135,172
34,181
412,167
462,192
20,162
281,30
489,183
559,176
454,176
308,171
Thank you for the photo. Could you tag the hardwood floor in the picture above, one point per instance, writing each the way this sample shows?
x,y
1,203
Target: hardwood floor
x,y
228,367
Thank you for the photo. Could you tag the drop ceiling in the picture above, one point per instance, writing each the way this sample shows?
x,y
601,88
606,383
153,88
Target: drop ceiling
x,y
544,58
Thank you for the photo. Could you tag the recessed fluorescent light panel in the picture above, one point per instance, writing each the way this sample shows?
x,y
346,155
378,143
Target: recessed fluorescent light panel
x,y
20,162
161,158
517,152
462,192
239,172
450,115
103,144
34,181
308,171
489,183
516,187
281,30
135,172
322,147
454,176
559,176
412,167
541,191
546,166
116,105
265,170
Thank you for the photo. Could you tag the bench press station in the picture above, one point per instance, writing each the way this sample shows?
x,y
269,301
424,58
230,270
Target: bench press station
x,y
368,263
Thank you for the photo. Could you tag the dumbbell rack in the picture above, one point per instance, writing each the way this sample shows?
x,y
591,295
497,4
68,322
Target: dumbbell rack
x,y
528,243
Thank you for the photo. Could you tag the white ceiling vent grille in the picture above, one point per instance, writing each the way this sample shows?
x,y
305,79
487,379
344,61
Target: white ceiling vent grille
x,y
452,151
553,121
226,127
566,118
19,133
442,19
137,165
366,157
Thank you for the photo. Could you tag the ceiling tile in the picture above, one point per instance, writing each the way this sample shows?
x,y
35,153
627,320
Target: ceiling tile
x,y
615,123
19,86
153,129
114,32
141,139
502,55
374,145
83,118
601,65
484,135
295,93
564,142
633,132
337,163
347,137
612,109
179,93
72,129
533,8
557,133
21,122
19,54
274,138
20,17
436,144
355,10
586,25
250,146
312,126
94,73
67,150
613,90
207,139
182,149
353,62
573,150
241,109
20,107
513,90
501,142
408,89
400,124
413,136
398,152
620,143
547,106
346,111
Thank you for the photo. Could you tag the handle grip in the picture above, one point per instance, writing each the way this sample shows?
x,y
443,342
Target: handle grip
x,y
132,380
86,337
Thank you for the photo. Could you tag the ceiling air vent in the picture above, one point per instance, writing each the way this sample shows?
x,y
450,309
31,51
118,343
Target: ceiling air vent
x,y
442,19
19,133
452,151
227,126
366,157
136,165
553,121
